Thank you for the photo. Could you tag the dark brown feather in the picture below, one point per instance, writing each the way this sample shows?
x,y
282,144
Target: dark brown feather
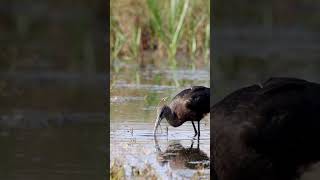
x,y
267,133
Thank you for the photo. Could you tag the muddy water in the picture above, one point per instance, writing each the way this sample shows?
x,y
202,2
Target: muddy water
x,y
52,126
69,152
175,153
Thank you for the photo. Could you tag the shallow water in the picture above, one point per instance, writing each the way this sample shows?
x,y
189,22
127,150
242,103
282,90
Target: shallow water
x,y
134,144
175,153
46,129
69,152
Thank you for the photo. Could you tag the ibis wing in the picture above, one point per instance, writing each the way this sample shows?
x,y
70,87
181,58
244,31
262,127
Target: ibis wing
x,y
280,85
182,94
198,99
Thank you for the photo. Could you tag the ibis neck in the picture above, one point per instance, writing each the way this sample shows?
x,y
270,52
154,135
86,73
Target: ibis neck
x,y
172,119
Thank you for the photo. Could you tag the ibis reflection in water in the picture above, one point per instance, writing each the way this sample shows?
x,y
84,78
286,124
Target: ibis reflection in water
x,y
189,105
179,157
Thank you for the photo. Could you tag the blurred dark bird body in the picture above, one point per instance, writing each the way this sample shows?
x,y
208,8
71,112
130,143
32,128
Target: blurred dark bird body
x,y
267,132
189,105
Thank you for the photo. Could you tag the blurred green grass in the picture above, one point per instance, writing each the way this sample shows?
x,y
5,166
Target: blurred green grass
x,y
162,33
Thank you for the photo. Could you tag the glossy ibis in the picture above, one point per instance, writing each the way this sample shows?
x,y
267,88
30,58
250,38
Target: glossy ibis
x,y
189,105
267,132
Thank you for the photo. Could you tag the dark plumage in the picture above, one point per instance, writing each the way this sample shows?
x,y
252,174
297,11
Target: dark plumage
x,y
268,132
189,105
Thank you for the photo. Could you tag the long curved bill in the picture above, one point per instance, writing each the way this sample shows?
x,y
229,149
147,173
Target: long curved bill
x,y
156,145
156,125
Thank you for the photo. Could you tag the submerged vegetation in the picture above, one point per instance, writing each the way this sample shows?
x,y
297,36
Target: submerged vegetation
x,y
117,172
161,33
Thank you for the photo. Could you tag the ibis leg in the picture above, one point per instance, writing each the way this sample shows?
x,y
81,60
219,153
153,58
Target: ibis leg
x,y
199,128
194,127
191,144
198,146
